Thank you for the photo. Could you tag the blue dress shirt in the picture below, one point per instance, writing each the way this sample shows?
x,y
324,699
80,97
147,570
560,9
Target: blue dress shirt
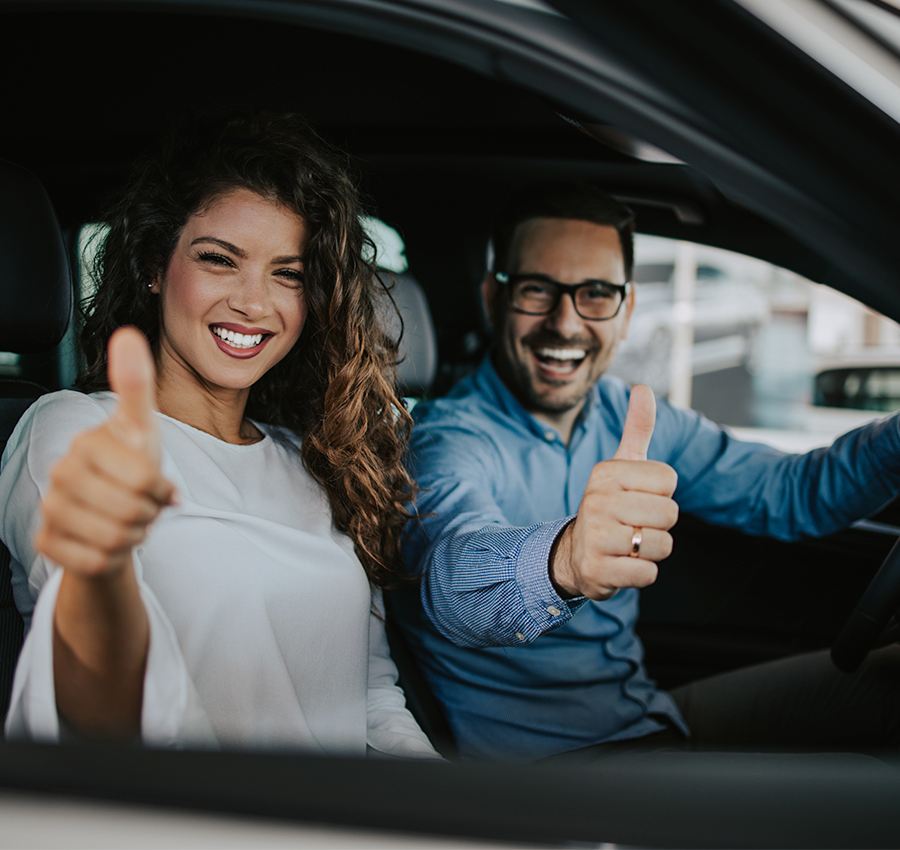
x,y
521,672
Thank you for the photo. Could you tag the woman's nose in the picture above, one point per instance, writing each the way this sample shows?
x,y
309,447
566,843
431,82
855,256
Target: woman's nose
x,y
250,295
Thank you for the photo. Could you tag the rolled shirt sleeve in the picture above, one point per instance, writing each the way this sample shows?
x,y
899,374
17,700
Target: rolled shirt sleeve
x,y
485,581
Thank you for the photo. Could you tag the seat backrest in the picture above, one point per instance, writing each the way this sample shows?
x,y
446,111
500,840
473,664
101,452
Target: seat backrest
x,y
418,340
35,309
415,374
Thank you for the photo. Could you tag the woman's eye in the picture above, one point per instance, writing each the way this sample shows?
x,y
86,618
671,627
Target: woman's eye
x,y
215,259
293,277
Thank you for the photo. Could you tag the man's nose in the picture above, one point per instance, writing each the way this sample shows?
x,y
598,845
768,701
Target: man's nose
x,y
565,319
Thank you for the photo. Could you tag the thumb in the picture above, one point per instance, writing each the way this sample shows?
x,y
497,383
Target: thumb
x,y
132,376
639,424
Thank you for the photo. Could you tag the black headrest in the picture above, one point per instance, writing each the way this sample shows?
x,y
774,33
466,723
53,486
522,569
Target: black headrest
x,y
35,284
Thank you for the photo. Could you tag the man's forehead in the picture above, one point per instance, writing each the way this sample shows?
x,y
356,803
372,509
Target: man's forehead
x,y
566,242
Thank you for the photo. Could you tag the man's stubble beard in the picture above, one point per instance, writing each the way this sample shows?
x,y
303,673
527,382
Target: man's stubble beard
x,y
524,384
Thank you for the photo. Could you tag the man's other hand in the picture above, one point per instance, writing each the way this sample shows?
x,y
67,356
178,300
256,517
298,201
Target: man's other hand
x,y
628,498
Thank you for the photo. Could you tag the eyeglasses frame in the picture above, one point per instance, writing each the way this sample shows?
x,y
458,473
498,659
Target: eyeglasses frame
x,y
561,289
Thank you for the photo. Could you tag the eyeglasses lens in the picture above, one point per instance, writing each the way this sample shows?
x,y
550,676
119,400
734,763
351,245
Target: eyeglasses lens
x,y
592,300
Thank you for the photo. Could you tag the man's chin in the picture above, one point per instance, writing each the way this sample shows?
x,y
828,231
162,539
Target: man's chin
x,y
558,400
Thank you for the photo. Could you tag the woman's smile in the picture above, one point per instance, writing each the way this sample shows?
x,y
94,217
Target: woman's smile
x,y
238,341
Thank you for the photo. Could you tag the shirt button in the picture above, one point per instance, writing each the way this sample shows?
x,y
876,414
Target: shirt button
x,y
553,611
549,435
520,636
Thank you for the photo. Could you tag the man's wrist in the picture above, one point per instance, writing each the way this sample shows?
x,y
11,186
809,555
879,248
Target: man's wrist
x,y
559,564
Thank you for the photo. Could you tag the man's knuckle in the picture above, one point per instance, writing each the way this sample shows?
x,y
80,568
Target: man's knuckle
x,y
671,479
667,545
648,574
670,513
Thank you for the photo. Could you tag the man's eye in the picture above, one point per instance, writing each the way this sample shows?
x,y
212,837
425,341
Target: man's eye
x,y
537,290
596,293
215,259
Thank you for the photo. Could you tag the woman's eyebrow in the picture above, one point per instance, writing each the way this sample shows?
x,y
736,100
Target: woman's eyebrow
x,y
239,252
226,245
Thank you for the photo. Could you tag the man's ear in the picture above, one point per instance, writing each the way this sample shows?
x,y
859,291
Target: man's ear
x,y
489,298
629,309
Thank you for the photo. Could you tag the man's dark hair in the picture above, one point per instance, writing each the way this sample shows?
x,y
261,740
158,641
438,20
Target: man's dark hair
x,y
579,201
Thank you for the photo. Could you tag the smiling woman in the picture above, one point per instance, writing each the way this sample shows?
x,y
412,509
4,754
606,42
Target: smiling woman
x,y
200,539
254,275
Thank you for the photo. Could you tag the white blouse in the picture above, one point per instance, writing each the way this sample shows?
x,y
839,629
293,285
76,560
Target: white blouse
x,y
264,631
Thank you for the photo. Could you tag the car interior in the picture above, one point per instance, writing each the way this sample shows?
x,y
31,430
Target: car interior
x,y
435,145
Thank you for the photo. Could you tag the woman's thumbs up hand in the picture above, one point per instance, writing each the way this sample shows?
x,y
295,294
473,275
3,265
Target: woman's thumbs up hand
x,y
109,487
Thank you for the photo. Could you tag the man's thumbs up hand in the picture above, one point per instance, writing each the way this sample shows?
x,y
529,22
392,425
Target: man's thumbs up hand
x,y
639,424
108,489
622,527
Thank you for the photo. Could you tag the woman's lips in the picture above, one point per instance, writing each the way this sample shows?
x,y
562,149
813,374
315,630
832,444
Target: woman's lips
x,y
239,353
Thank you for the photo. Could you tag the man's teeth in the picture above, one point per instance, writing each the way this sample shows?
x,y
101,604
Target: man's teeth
x,y
236,340
561,353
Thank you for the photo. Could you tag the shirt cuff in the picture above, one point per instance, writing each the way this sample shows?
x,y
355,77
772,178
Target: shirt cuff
x,y
545,607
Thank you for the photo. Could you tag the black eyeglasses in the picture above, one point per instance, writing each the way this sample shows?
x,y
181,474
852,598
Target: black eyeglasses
x,y
539,295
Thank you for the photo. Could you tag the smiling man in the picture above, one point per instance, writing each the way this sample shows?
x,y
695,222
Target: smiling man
x,y
547,492
547,353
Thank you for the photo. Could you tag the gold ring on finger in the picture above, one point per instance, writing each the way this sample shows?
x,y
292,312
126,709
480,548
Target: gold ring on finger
x,y
636,539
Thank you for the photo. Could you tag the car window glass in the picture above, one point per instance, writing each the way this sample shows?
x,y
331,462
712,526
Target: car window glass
x,y
775,357
90,239
9,364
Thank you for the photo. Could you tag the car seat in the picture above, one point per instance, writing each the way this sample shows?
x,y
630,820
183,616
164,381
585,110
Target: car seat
x,y
35,309
415,374
412,326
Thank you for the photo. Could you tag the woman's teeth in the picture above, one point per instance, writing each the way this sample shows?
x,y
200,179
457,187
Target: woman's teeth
x,y
236,340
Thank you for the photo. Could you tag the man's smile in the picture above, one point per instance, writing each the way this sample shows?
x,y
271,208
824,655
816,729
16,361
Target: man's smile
x,y
558,360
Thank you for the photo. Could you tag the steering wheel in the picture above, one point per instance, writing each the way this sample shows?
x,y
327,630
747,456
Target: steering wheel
x,y
875,608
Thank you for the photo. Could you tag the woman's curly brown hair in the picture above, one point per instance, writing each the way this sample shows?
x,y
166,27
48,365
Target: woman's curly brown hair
x,y
335,388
